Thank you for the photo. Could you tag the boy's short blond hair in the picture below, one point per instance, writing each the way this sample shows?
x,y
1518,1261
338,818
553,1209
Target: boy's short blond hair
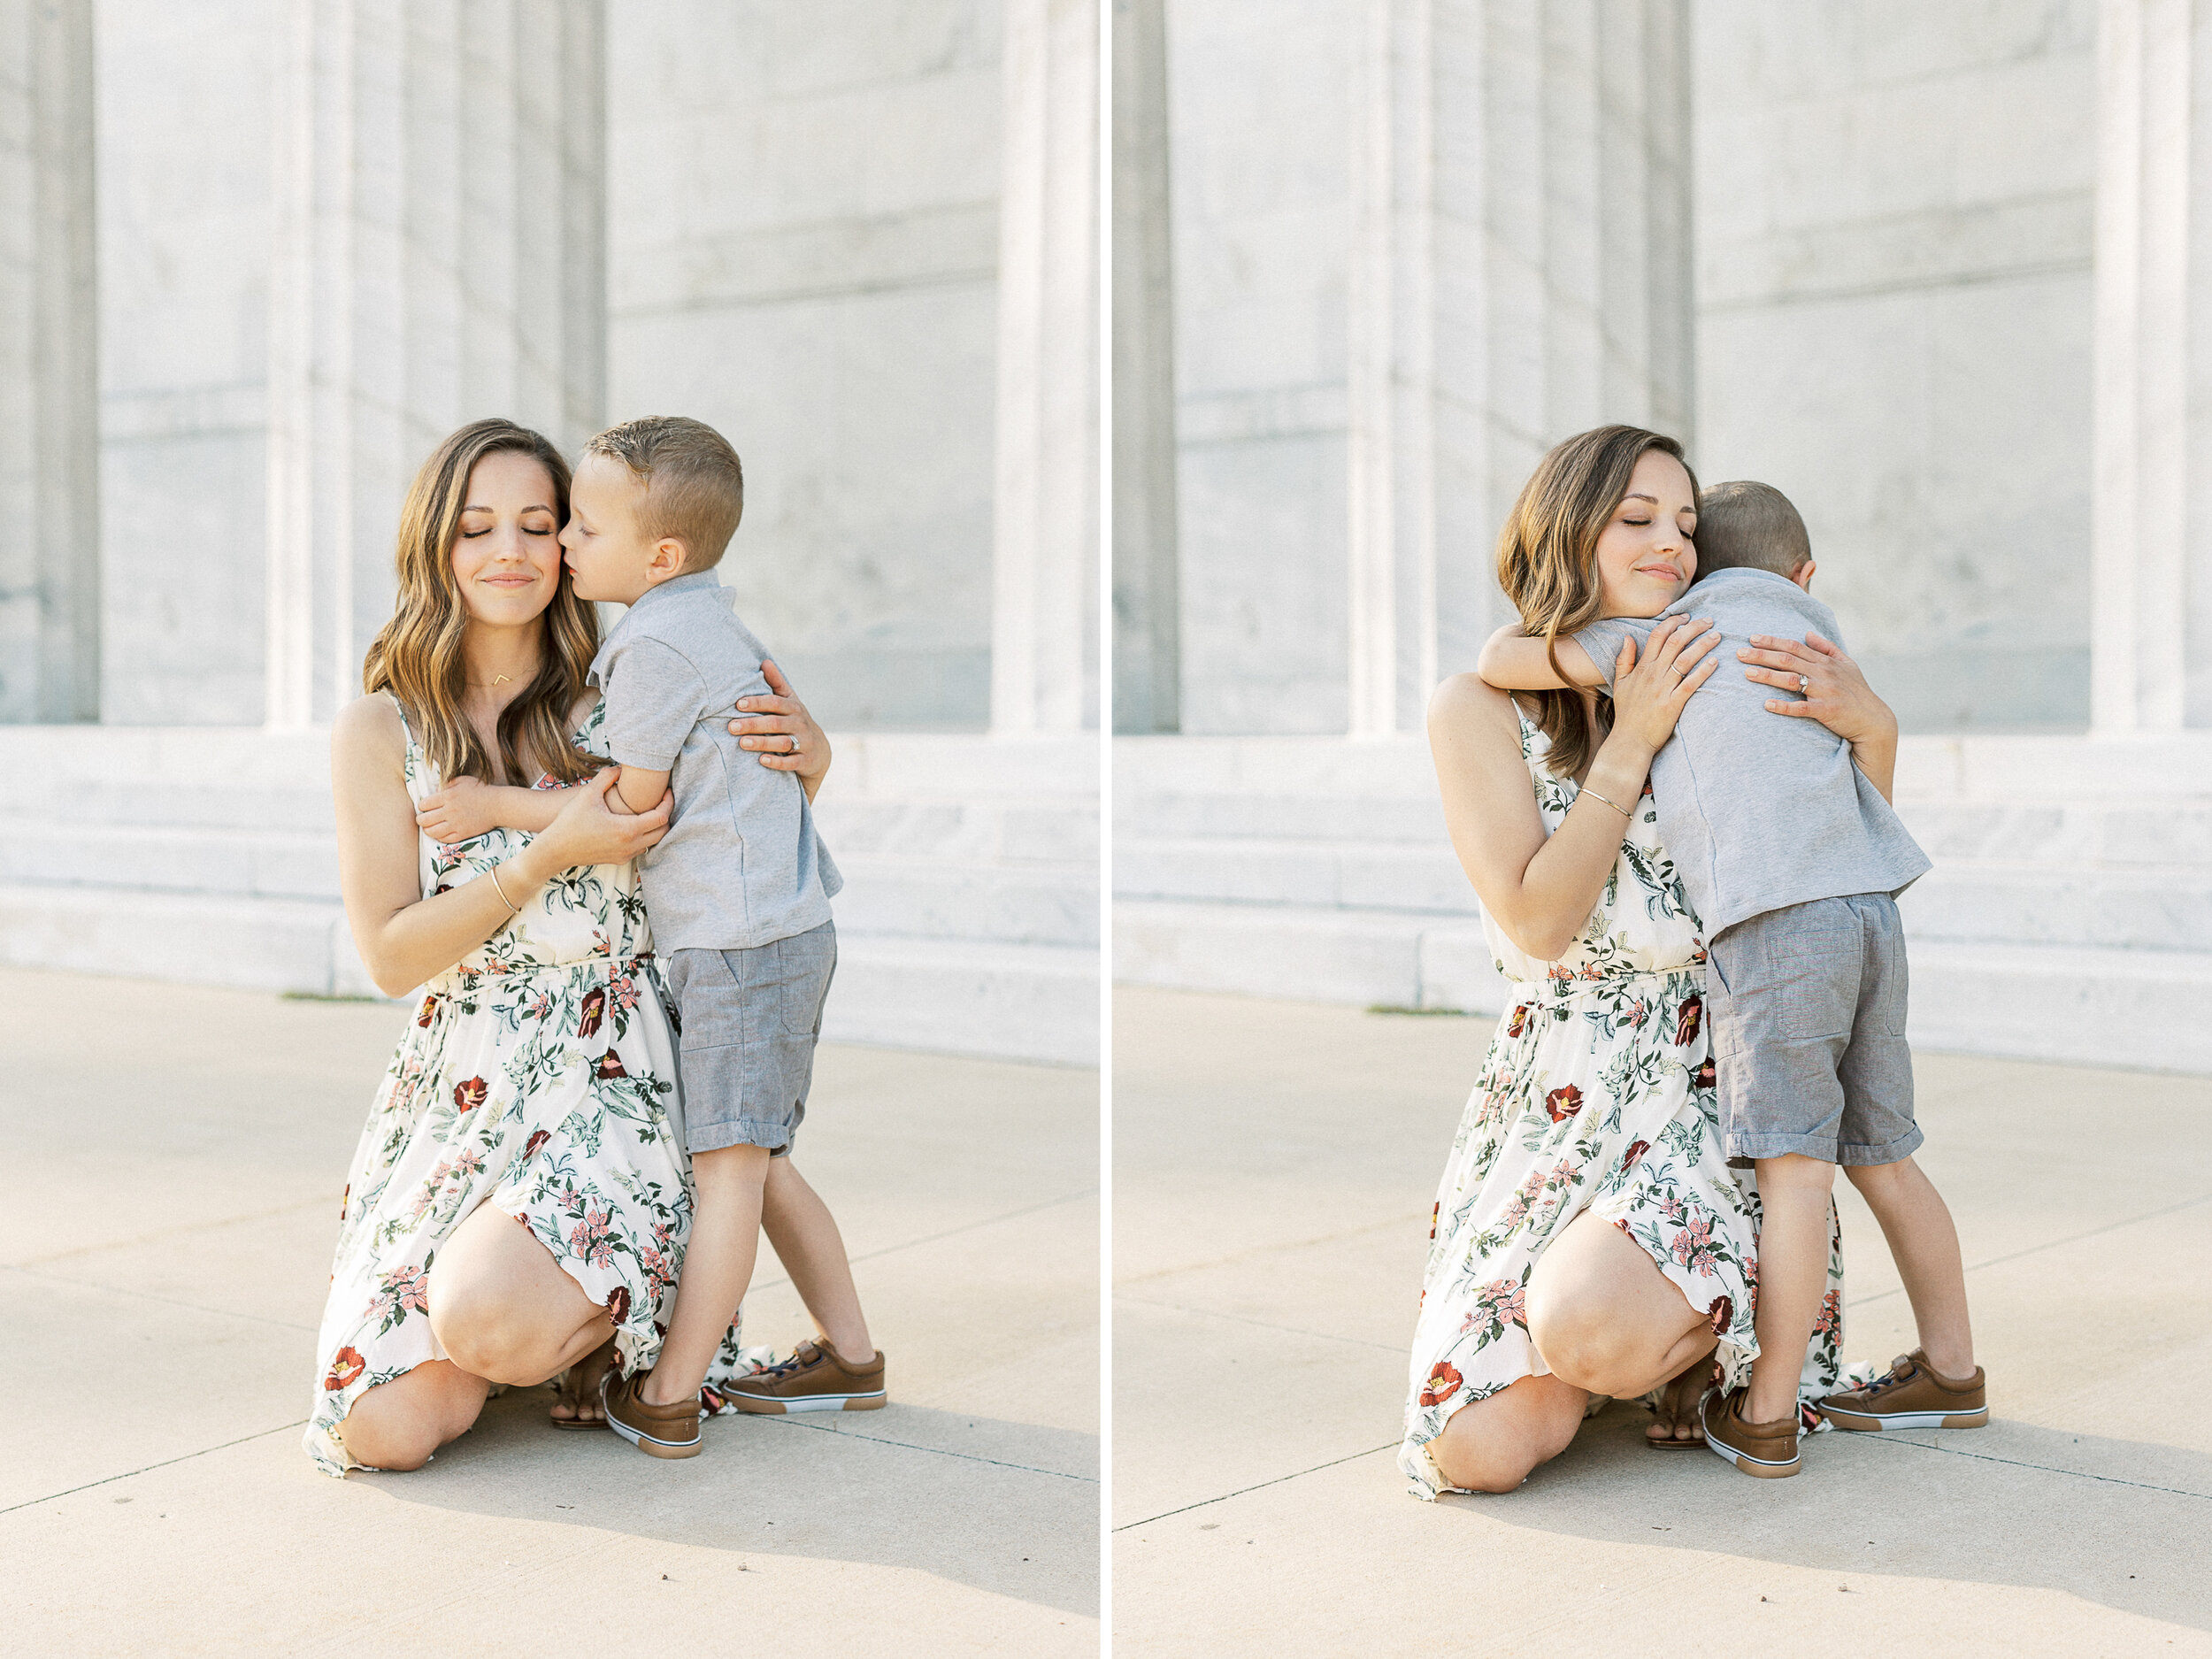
x,y
1743,526
694,483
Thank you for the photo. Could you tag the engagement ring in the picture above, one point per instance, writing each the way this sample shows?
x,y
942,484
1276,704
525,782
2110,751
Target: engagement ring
x,y
1804,686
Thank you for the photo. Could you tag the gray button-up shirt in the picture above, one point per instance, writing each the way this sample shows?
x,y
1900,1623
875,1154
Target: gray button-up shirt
x,y
1758,810
741,864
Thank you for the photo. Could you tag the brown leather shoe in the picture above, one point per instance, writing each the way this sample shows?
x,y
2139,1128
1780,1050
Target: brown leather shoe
x,y
657,1430
1768,1450
1912,1395
818,1377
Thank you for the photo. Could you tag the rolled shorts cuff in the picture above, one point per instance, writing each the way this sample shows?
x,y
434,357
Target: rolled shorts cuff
x,y
1827,1149
744,1131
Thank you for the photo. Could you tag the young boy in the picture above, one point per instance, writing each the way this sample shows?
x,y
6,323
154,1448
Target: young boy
x,y
1789,853
738,893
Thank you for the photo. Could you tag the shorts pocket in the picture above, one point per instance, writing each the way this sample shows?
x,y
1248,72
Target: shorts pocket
x,y
1812,978
802,969
712,999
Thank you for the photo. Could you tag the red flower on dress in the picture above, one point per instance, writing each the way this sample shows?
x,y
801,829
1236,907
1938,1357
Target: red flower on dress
x,y
1705,1074
1688,1021
1518,1023
1723,1315
610,1065
428,1011
594,1009
1637,1149
1830,1320
471,1094
1435,1210
538,1138
1443,1383
345,1370
1564,1103
618,1304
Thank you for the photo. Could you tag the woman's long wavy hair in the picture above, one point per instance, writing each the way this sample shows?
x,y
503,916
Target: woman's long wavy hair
x,y
1548,565
418,657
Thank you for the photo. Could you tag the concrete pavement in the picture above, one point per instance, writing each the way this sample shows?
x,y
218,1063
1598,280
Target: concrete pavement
x,y
173,1156
1274,1167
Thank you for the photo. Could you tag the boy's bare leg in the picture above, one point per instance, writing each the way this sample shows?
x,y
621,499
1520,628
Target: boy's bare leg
x,y
718,1267
1926,1247
807,1242
1793,1197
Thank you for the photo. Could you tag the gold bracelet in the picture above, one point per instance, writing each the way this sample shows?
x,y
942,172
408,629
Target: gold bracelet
x,y
1586,789
513,909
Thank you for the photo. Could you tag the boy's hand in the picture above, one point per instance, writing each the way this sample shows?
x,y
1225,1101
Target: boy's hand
x,y
460,811
780,728
1835,692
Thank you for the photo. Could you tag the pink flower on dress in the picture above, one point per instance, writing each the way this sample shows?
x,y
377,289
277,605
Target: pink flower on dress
x,y
1830,1320
1693,1245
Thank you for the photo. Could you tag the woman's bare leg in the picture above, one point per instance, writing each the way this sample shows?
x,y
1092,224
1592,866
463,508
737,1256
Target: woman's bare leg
x,y
807,1242
397,1425
1605,1318
503,1306
1492,1445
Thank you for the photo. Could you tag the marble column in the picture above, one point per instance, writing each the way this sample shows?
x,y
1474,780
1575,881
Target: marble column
x,y
2151,553
1519,272
49,543
1147,601
439,256
1044,632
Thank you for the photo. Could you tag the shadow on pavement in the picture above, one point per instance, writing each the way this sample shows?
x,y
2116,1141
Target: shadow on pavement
x,y
1910,1506
1006,1508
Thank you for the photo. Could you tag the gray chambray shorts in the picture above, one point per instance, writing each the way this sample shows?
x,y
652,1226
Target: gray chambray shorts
x,y
749,1021
1808,1012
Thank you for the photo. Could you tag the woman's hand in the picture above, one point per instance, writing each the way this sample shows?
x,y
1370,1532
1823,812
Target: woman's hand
x,y
460,811
1835,694
783,731
590,831
1648,696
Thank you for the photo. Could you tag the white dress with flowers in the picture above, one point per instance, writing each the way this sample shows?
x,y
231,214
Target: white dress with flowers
x,y
1596,1094
538,1076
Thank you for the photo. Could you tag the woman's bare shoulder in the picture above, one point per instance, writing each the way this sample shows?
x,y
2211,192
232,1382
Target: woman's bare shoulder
x,y
1468,702
367,731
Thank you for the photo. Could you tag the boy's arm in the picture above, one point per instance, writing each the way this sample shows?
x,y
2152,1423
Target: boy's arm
x,y
638,790
1516,661
466,808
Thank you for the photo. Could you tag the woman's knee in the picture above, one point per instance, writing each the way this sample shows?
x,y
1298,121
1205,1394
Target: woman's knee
x,y
398,1428
1495,1444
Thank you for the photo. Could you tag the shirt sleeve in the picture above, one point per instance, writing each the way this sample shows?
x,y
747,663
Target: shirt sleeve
x,y
654,696
1601,640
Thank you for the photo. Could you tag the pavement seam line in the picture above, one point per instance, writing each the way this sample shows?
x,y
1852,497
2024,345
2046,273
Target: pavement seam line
x,y
989,1221
172,1232
1264,1324
2037,1249
974,1457
1203,1503
108,1480
166,1301
1406,1219
2047,1469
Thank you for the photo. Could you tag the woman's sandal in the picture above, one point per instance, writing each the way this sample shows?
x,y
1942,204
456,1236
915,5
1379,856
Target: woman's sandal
x,y
578,1388
1674,1405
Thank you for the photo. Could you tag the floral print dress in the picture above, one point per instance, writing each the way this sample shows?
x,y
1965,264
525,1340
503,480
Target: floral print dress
x,y
1596,1094
539,1075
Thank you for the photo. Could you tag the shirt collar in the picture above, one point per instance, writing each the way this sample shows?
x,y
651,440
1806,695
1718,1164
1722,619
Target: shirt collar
x,y
691,583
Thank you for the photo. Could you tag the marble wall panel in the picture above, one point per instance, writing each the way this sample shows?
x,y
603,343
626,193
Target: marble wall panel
x,y
1260,158
1894,213
802,250
183,227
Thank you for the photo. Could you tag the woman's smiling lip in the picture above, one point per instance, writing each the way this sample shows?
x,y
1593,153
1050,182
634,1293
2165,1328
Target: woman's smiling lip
x,y
1661,572
507,581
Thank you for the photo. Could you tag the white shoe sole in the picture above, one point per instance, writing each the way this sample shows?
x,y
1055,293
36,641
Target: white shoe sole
x,y
770,1406
652,1446
1866,1423
1761,1467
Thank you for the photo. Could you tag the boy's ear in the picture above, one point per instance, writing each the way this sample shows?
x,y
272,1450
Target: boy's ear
x,y
1803,575
667,560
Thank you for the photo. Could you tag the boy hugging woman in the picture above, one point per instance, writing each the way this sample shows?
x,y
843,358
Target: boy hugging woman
x,y
737,895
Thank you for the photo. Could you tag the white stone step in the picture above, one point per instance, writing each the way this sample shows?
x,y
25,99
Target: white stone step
x,y
2104,1007
957,996
1422,876
1041,903
1034,902
982,830
1964,901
